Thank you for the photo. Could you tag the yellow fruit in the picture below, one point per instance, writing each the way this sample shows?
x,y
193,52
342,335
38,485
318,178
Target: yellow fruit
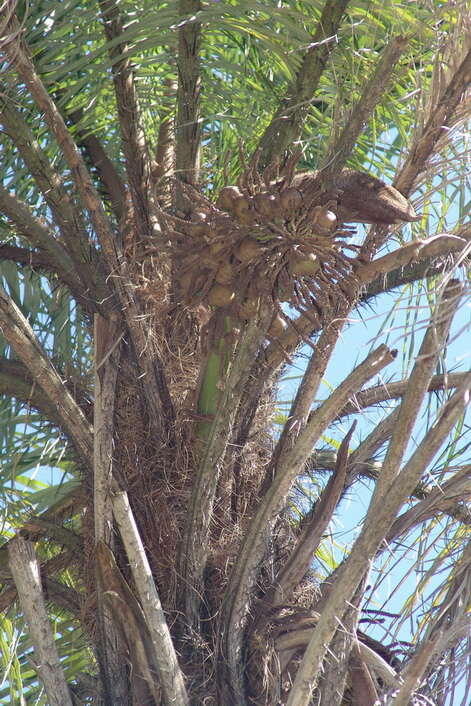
x,y
216,248
220,295
227,196
290,200
265,204
277,327
241,209
247,250
304,265
324,220
247,219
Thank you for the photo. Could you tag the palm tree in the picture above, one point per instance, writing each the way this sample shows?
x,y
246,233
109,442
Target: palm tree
x,y
179,184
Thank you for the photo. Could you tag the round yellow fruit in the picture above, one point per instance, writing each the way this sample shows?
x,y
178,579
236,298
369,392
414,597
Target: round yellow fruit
x,y
277,327
227,196
324,220
265,204
220,295
216,248
247,250
303,265
241,207
290,201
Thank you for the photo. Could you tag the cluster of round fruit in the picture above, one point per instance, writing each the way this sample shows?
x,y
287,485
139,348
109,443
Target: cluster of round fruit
x,y
248,246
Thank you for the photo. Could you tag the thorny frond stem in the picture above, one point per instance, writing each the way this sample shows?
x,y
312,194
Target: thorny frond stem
x,y
384,505
288,465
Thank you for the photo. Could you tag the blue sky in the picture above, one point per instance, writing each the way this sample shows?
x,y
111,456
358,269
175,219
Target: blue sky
x,y
406,318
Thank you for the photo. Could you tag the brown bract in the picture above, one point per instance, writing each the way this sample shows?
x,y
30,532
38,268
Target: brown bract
x,y
358,197
366,199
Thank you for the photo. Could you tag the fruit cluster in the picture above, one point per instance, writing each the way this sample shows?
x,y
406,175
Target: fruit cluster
x,y
269,244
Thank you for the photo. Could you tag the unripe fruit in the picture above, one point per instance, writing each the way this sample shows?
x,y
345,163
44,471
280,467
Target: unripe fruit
x,y
247,250
290,200
240,206
220,295
324,220
265,204
306,265
227,196
247,219
216,248
277,327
